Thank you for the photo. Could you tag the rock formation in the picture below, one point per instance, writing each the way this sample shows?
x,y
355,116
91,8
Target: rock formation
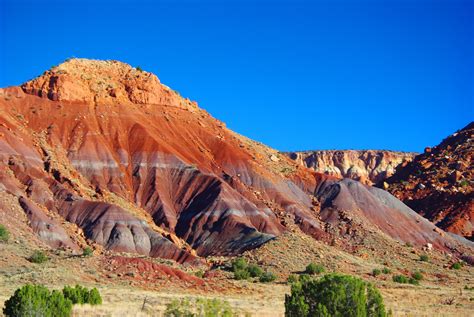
x,y
439,183
101,152
365,166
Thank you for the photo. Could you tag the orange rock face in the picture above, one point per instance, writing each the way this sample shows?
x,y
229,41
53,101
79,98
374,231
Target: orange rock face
x,y
367,166
137,168
439,183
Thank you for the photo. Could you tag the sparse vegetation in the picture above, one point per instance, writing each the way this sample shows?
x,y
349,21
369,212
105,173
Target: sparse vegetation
x,y
198,307
400,279
241,274
386,270
376,272
4,234
464,183
239,264
334,295
254,270
456,266
139,69
199,273
413,281
82,295
417,276
242,271
38,257
409,245
314,268
267,277
424,258
37,300
87,251
292,278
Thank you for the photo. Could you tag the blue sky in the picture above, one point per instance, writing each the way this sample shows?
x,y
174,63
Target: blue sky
x,y
292,74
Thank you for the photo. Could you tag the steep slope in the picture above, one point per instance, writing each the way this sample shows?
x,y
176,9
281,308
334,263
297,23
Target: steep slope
x,y
104,151
439,183
105,145
365,166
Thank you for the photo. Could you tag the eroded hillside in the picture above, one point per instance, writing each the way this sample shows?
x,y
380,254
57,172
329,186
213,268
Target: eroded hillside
x,y
101,153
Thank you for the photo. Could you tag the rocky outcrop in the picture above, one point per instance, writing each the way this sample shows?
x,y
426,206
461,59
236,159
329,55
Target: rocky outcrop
x,y
105,82
132,166
438,184
366,166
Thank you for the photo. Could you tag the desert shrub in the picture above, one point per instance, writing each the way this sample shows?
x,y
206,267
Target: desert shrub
x,y
400,279
376,272
456,266
37,300
413,281
213,307
198,307
179,308
464,183
59,306
334,295
87,251
386,270
74,294
199,273
267,277
239,264
242,270
424,258
292,278
82,295
409,245
313,268
94,297
254,270
417,276
139,69
4,234
38,257
304,277
241,274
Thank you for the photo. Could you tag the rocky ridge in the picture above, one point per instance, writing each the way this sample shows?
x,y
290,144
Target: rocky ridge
x,y
365,166
439,183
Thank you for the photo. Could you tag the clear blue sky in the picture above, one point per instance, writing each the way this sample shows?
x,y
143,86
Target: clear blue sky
x,y
292,74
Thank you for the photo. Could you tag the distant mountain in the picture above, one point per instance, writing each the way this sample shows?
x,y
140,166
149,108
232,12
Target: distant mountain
x,y
366,166
439,184
100,153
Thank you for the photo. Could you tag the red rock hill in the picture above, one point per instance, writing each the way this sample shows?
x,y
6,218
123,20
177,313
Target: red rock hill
x,y
99,152
439,183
